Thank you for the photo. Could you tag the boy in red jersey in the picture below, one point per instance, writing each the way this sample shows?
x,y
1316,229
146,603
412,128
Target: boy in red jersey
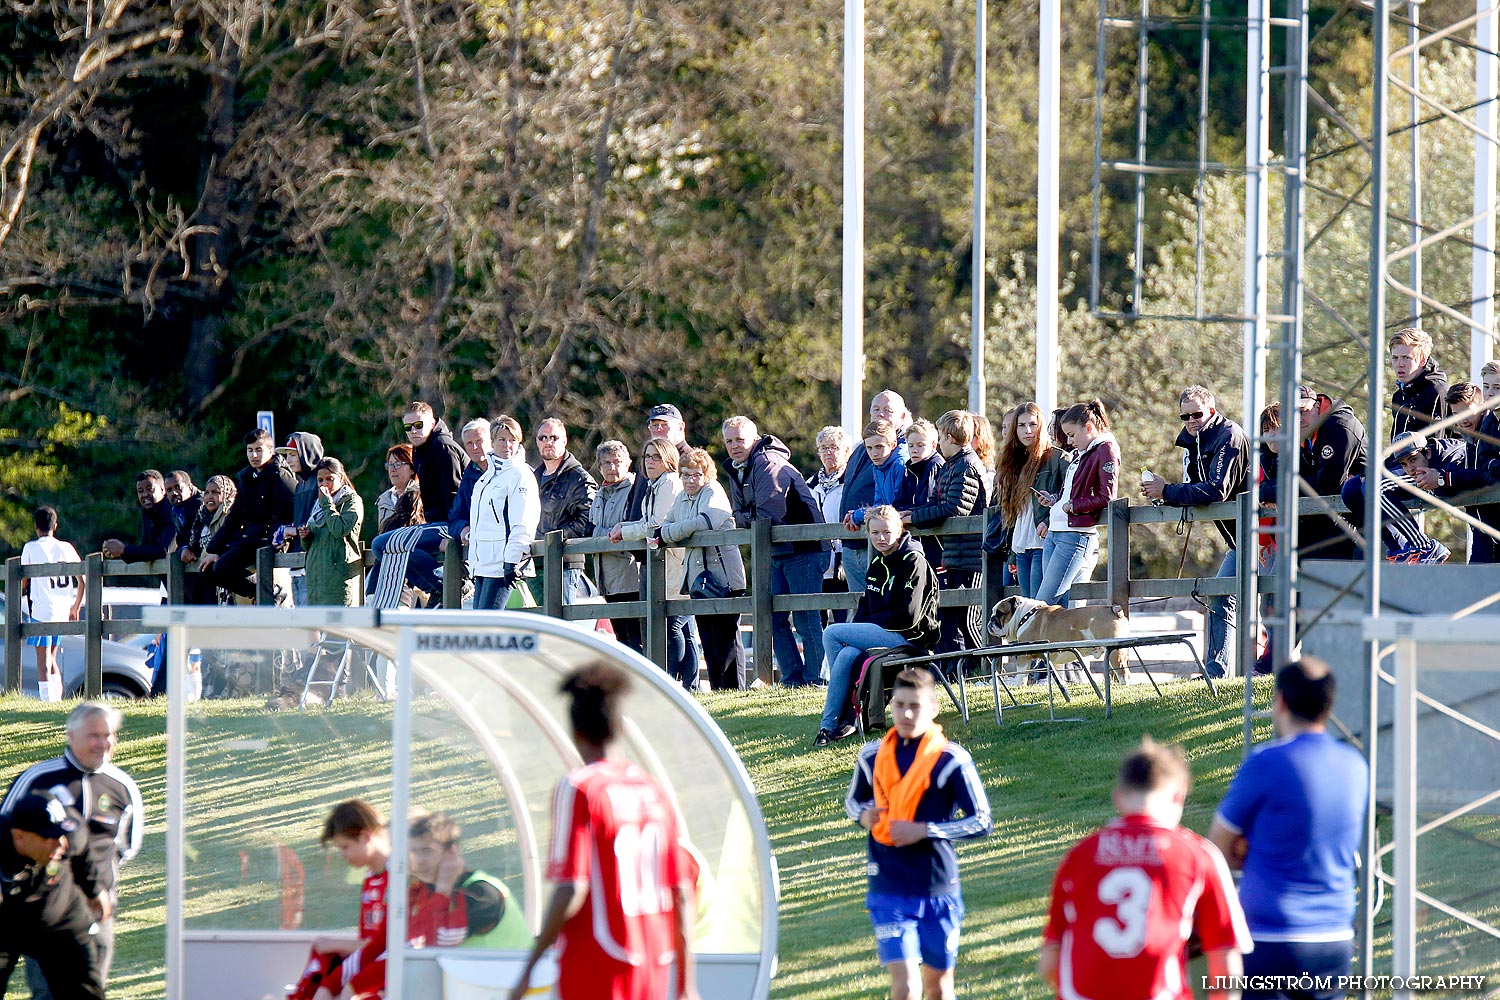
x,y
622,906
360,836
1127,897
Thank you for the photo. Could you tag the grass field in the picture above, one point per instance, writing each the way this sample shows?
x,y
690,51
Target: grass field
x,y
1048,785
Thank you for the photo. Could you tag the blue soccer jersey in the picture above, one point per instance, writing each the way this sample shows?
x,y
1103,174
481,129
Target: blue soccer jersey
x,y
1300,803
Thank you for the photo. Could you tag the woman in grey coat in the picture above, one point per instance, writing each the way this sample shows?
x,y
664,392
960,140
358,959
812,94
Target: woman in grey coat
x,y
704,506
618,573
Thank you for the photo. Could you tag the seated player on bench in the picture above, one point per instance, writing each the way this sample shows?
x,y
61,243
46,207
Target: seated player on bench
x,y
898,608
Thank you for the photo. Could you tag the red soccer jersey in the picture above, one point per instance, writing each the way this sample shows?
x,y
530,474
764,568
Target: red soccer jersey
x,y
1124,903
615,831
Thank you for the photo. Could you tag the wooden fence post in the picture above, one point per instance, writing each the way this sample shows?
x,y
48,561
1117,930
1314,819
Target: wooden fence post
x,y
176,579
265,576
13,624
760,592
93,636
1119,553
552,574
655,593
454,573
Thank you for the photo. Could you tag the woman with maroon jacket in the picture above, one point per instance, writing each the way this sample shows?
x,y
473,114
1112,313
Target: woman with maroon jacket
x,y
1072,542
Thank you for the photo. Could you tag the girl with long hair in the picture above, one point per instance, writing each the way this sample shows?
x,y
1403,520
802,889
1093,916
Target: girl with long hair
x,y
1028,461
1072,544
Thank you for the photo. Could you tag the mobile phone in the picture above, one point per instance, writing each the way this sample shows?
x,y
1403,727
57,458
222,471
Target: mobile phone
x,y
1040,494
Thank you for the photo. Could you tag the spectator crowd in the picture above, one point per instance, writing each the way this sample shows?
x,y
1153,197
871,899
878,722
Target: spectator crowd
x,y
1045,482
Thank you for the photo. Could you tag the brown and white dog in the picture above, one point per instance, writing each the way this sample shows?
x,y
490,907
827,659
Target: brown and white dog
x,y
1021,619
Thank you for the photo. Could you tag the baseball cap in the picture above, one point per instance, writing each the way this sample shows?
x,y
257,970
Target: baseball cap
x,y
1407,444
1306,394
45,816
664,411
290,448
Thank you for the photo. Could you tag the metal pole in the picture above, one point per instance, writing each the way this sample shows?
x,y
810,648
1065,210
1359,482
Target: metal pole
x,y
977,297
1414,109
1487,41
1048,204
1379,139
177,640
1404,826
401,732
1255,296
851,405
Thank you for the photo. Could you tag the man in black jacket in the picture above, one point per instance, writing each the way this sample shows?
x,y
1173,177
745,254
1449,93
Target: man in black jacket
x,y
43,914
960,493
566,490
184,499
1419,400
85,779
157,528
1333,451
763,485
1215,463
1481,461
263,502
439,462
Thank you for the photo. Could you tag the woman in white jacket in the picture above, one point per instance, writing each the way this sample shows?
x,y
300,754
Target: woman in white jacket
x,y
703,506
503,516
660,459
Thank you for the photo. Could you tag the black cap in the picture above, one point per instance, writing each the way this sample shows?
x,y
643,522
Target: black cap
x,y
45,816
1407,444
664,411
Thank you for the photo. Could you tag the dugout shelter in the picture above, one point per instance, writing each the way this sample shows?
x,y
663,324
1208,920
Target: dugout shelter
x,y
473,726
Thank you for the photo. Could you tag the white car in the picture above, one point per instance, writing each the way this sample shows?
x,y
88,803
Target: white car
x,y
126,674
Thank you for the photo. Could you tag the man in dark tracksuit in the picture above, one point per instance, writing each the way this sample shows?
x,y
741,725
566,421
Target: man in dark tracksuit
x,y
43,914
158,530
109,803
1215,463
1419,400
960,493
1333,451
263,502
763,485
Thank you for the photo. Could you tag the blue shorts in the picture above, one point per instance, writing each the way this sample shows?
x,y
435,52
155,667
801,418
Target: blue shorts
x,y
916,928
41,641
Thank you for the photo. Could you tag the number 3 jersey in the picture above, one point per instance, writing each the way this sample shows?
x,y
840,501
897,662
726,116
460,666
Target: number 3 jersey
x,y
615,830
1124,903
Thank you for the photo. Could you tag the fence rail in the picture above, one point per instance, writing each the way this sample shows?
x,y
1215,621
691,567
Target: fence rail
x,y
655,604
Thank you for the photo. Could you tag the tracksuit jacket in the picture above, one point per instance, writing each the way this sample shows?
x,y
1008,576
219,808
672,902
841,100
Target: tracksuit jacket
x,y
1421,401
1215,464
901,594
503,515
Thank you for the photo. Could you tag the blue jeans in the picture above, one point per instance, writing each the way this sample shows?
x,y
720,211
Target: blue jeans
x,y
856,567
490,594
843,644
1220,646
421,564
798,573
1064,554
1029,571
682,658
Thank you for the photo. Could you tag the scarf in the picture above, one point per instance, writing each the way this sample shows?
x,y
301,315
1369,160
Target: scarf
x,y
897,794
317,515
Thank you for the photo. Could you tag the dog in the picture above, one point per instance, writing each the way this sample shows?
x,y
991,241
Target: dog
x,y
1021,619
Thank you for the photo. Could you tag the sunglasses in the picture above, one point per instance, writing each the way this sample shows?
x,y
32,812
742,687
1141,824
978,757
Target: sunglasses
x,y
549,437
1195,415
413,427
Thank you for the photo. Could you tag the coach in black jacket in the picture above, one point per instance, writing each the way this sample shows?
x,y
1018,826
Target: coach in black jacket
x,y
43,914
109,802
565,487
1215,463
960,493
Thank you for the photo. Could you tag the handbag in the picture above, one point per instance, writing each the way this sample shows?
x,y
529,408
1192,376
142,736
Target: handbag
x,y
705,585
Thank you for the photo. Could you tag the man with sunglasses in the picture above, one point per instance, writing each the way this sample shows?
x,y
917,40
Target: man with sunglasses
x,y
439,463
567,492
1215,462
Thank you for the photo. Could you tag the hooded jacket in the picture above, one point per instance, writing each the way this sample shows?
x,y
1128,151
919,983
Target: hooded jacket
x,y
1332,454
566,497
440,466
769,487
503,516
334,561
960,493
1421,401
263,500
859,484
305,494
901,594
1215,464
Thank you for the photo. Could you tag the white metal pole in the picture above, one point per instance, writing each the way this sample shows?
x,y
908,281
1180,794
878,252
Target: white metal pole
x,y
1257,207
1404,830
1414,109
176,809
851,408
1048,206
1487,41
395,898
977,297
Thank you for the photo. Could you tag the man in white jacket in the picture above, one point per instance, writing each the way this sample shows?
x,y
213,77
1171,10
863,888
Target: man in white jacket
x,y
503,517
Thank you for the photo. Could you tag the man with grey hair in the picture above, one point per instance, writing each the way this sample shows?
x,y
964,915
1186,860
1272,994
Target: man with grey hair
x,y
827,484
475,436
619,573
84,779
1215,464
